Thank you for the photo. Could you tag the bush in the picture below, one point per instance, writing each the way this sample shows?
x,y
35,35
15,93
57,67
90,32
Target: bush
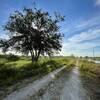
x,y
12,57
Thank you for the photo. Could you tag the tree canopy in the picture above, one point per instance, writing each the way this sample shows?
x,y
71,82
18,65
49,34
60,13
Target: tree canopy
x,y
33,31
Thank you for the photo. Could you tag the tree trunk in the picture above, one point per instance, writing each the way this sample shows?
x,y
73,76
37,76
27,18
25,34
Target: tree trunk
x,y
32,58
35,57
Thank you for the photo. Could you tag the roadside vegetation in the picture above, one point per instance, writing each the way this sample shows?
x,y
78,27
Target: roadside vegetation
x,y
17,73
97,58
93,58
89,68
13,70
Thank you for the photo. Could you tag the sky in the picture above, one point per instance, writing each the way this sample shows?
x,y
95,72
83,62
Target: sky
x,y
81,27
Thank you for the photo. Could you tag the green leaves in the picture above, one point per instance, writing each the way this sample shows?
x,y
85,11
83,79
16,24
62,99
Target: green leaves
x,y
34,32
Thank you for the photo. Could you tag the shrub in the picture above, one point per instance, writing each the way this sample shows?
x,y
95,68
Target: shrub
x,y
12,57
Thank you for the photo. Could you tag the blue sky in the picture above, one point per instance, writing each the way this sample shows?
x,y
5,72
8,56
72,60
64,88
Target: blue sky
x,y
81,26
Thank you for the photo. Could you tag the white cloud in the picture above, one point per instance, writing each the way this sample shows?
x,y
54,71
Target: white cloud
x,y
4,36
88,29
80,48
83,24
83,41
89,22
89,35
97,2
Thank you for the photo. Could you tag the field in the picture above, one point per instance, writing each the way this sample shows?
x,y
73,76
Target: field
x,y
15,69
94,58
97,58
89,68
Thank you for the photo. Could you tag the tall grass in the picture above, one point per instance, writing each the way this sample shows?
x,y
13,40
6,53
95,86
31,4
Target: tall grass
x,y
12,71
89,68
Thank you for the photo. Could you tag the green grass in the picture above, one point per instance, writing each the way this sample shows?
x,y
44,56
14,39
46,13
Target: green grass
x,y
89,68
12,71
97,58
94,58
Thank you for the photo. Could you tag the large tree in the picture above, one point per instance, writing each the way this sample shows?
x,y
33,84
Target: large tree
x,y
33,31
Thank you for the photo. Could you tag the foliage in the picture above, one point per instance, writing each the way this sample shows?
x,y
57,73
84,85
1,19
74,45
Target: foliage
x,y
33,31
14,71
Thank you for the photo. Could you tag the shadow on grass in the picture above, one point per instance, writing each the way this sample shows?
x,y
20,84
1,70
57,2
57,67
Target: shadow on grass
x,y
10,74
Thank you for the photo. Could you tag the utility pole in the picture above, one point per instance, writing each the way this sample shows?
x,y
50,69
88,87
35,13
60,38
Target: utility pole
x,y
93,53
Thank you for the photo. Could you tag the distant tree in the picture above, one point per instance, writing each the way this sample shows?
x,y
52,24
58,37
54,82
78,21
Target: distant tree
x,y
33,31
81,57
72,55
86,57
